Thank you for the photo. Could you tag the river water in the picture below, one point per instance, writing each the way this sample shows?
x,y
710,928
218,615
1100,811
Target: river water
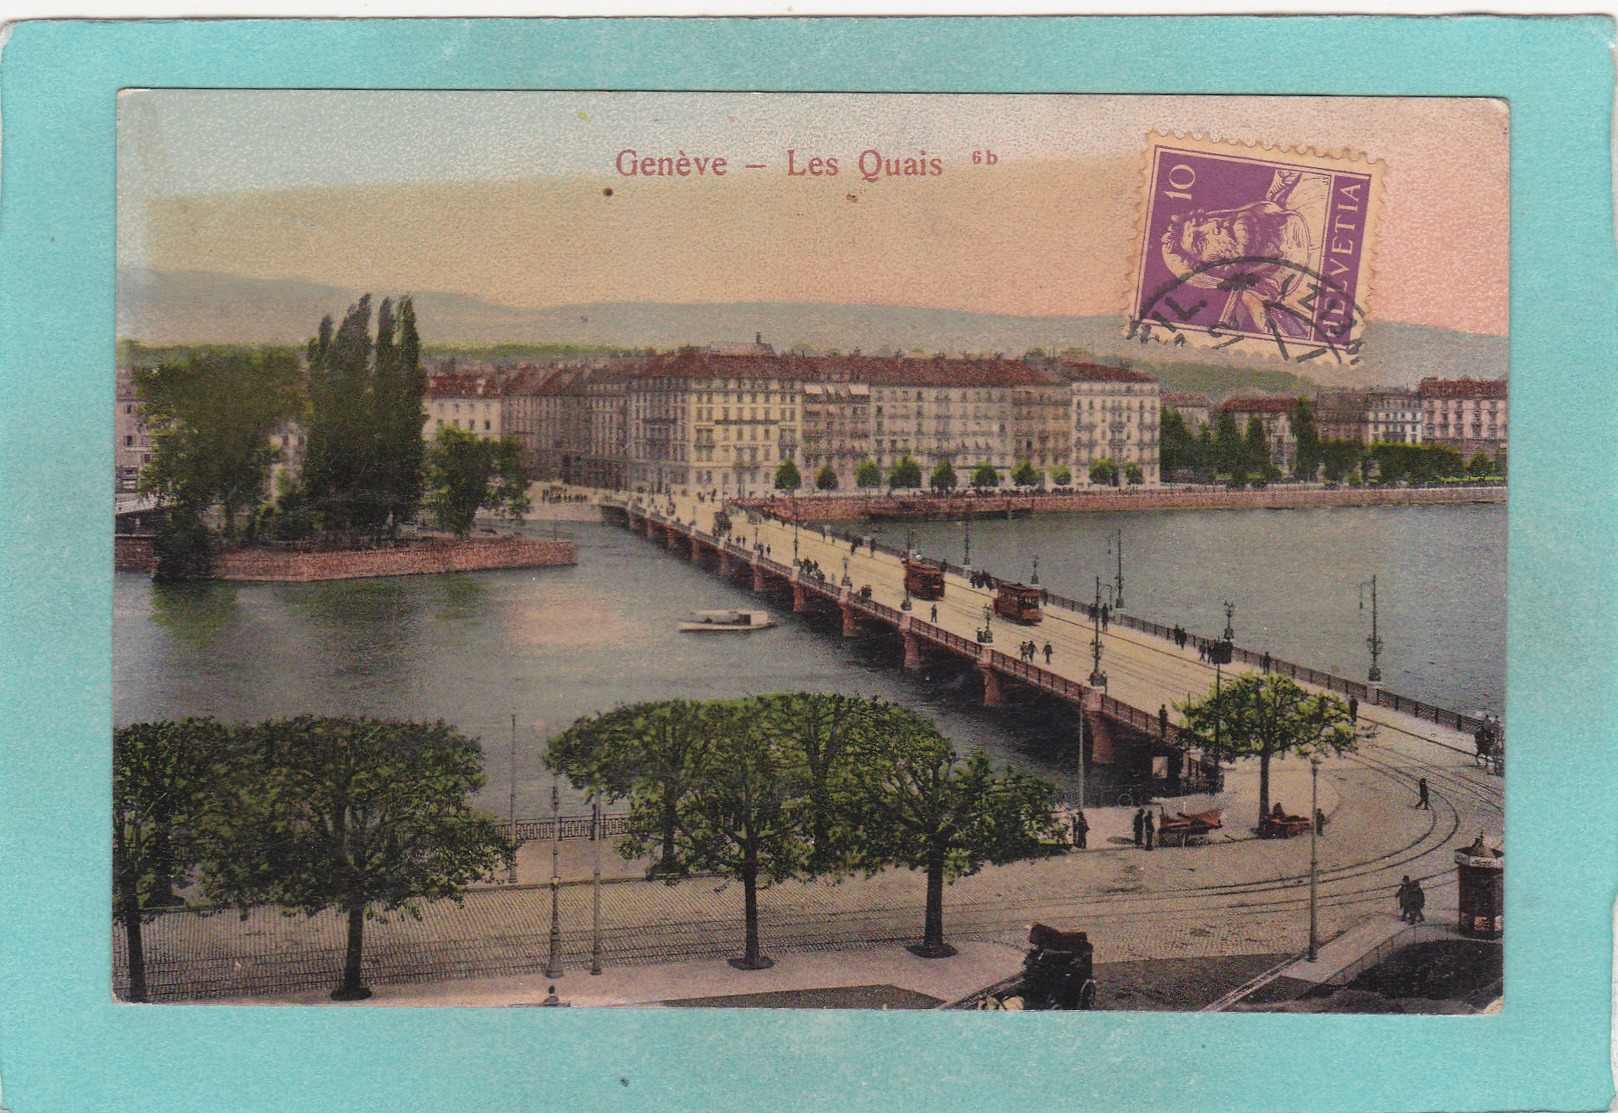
x,y
550,646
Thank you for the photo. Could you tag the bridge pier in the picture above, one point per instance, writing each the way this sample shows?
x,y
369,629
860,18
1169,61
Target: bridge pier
x,y
912,651
993,695
696,550
724,562
758,578
851,625
800,600
1103,747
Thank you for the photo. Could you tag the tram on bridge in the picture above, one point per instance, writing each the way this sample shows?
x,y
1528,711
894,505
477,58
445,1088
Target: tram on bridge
x,y
924,580
1017,602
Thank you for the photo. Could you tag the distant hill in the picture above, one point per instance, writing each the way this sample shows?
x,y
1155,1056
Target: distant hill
x,y
202,308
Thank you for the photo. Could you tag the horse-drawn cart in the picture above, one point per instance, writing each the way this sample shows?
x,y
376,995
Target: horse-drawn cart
x,y
1189,829
1057,973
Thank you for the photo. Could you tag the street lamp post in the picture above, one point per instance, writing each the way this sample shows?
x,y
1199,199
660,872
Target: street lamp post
x,y
595,884
988,627
1314,862
1097,678
1118,581
511,802
1374,641
553,964
1035,580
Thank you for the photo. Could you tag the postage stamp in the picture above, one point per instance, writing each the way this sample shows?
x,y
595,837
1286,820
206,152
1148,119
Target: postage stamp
x,y
1251,248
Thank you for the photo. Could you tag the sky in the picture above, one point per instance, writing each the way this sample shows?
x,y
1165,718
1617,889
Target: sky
x,y
502,195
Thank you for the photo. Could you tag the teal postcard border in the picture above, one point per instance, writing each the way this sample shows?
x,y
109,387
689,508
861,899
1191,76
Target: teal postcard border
x,y
65,1045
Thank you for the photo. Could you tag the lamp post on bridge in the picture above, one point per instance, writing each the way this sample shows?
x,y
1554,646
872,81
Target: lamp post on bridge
x,y
1118,580
1373,641
1097,677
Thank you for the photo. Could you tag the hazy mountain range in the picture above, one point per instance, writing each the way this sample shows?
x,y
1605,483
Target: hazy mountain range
x,y
163,308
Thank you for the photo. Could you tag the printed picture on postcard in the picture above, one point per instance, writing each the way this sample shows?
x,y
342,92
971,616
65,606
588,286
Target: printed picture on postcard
x,y
890,551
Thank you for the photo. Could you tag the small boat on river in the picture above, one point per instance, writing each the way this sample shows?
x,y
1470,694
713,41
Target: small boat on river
x,y
726,620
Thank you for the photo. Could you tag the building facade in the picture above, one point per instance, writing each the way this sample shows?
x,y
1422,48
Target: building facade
x,y
1194,408
132,447
1115,415
1468,415
1275,415
471,401
1394,417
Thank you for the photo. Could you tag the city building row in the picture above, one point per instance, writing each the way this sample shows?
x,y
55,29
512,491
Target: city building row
x,y
726,419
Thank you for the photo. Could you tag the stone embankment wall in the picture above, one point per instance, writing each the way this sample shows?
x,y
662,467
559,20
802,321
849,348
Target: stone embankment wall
x,y
428,556
135,554
855,507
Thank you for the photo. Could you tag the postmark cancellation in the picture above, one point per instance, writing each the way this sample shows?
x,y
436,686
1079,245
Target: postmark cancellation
x,y
1253,249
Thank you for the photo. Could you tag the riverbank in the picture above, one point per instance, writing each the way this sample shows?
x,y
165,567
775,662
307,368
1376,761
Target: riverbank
x,y
136,554
830,507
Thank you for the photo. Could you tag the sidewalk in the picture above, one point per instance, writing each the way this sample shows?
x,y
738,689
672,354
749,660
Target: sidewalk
x,y
880,976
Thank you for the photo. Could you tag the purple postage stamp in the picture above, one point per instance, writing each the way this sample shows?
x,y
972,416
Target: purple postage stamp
x,y
1255,249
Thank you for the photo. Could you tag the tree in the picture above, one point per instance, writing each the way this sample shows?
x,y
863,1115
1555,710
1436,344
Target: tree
x,y
1133,474
162,776
366,816
211,418
1103,471
1307,461
365,456
868,475
1061,477
649,753
740,817
787,477
985,476
1480,465
1256,447
1229,454
1025,476
1178,446
1339,458
926,809
1268,716
905,474
826,479
943,479
467,472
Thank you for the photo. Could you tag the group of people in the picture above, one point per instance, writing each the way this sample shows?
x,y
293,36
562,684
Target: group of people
x,y
1145,829
1179,635
809,568
1028,650
1104,614
1412,901
981,580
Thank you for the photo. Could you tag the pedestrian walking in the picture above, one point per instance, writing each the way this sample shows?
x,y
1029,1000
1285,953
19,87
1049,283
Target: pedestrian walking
x,y
1163,720
1140,828
1320,822
1081,830
1106,613
933,614
1048,650
1150,829
1353,709
1266,663
1403,896
1422,800
1418,903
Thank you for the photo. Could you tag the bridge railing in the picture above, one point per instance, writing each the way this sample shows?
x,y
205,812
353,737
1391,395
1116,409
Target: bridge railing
x,y
1030,673
945,637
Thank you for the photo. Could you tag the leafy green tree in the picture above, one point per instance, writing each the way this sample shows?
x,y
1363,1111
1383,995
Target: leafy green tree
x,y
1256,447
985,476
163,774
1480,465
943,479
905,474
826,731
868,475
787,477
926,809
365,816
1500,462
1133,474
1103,471
1229,453
1339,458
1061,477
1269,716
365,457
740,817
649,753
1177,446
467,472
1307,461
826,479
1025,476
211,417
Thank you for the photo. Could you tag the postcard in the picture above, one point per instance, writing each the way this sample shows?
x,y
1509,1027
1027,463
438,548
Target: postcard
x,y
606,549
